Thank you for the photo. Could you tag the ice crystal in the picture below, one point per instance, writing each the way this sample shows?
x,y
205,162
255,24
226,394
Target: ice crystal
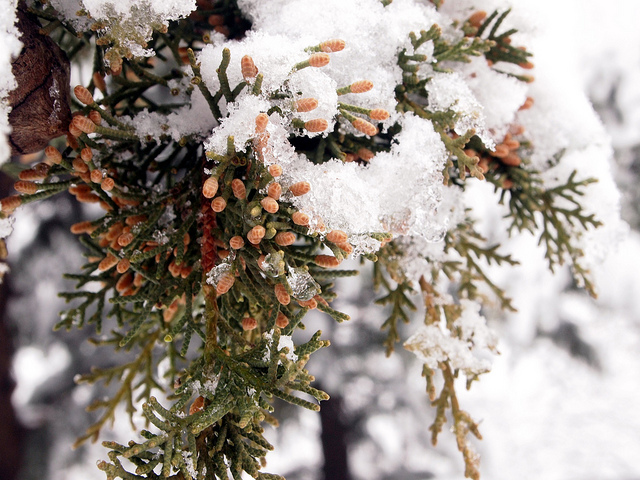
x,y
285,341
274,264
160,237
216,273
302,284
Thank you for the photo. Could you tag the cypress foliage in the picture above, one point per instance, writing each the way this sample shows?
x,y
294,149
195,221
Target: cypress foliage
x,y
204,261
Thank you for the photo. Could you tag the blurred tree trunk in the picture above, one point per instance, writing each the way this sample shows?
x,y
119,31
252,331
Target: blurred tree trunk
x,y
334,440
11,432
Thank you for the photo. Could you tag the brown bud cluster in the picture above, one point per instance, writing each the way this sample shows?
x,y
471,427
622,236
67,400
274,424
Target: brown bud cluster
x,y
285,239
361,86
238,189
378,114
300,218
365,127
256,234
37,172
248,68
281,294
83,124
9,204
505,154
282,321
26,187
310,304
319,60
210,187
262,120
236,242
218,204
326,261
316,125
225,283
300,188
275,170
83,95
333,45
249,323
477,18
306,105
274,190
269,204
336,236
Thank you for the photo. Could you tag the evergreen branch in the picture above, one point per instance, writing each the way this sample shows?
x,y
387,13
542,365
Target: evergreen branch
x,y
461,50
124,393
397,297
467,243
534,208
336,315
222,75
197,80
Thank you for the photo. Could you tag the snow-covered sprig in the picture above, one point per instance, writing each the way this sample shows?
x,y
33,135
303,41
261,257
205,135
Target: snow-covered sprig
x,y
454,339
234,178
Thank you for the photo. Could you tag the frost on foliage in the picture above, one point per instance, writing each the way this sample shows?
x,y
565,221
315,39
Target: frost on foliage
x,y
284,341
450,92
195,118
370,53
10,48
500,95
209,387
240,124
433,344
398,192
129,24
274,264
561,119
303,286
217,272
363,244
416,256
188,461
374,36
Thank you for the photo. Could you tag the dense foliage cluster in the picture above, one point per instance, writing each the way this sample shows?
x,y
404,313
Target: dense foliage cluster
x,y
206,255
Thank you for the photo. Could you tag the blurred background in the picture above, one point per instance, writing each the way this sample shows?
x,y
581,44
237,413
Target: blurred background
x,y
561,402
